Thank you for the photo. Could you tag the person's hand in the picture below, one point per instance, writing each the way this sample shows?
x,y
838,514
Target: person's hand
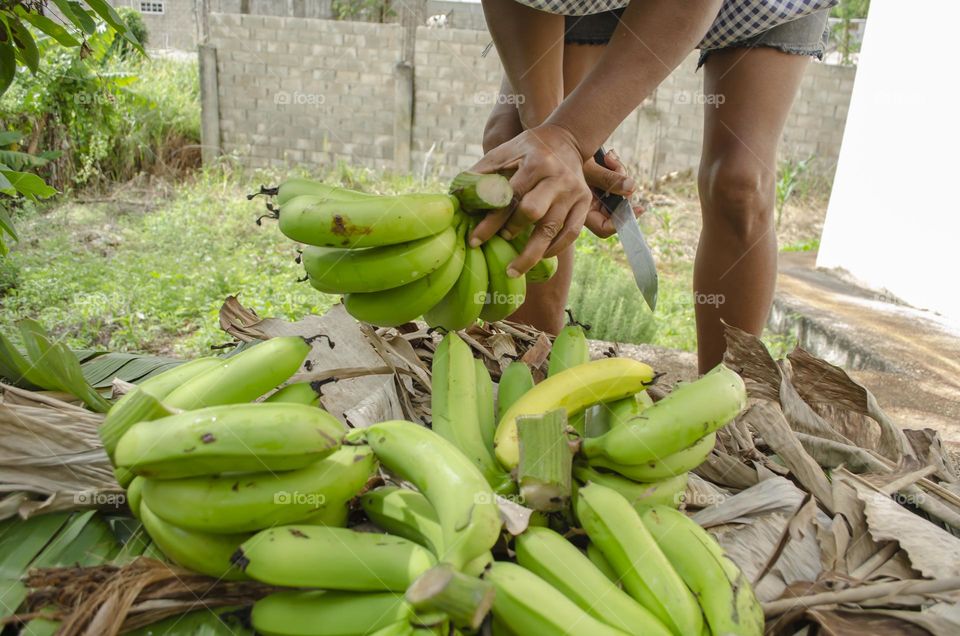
x,y
612,179
550,188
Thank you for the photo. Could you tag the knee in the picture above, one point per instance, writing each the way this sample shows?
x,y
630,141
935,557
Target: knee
x,y
737,197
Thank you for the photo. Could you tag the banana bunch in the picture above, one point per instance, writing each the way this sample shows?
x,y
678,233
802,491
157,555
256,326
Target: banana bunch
x,y
397,258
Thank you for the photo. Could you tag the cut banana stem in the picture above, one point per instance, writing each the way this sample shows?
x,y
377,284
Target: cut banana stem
x,y
465,599
676,422
340,271
725,595
247,502
615,527
478,192
529,605
545,461
515,381
236,438
332,559
198,551
319,613
569,350
640,495
554,559
307,393
242,377
457,490
658,469
572,390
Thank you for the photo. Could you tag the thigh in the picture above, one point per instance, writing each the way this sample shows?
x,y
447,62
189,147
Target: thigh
x,y
748,96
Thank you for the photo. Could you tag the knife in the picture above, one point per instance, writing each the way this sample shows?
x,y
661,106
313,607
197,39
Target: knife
x,y
631,238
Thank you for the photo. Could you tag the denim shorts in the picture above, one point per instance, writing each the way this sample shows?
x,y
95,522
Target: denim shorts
x,y
803,36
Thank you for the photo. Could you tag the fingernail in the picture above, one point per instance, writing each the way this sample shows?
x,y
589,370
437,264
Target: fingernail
x,y
629,184
512,273
474,242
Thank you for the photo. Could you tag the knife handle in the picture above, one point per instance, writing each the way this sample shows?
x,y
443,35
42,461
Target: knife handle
x,y
608,200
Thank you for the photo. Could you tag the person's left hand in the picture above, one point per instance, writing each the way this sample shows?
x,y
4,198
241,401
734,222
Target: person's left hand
x,y
549,184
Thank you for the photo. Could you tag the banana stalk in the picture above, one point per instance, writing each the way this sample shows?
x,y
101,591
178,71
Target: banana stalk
x,y
545,461
478,192
465,599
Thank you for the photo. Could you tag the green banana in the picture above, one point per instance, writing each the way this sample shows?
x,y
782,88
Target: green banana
x,y
242,377
298,186
406,513
119,418
134,495
462,498
606,415
658,469
461,306
486,409
236,438
515,381
666,492
504,294
545,268
198,551
318,613
676,422
554,559
339,271
529,605
569,350
367,222
615,527
401,628
725,595
396,306
332,559
297,393
243,503
455,413
572,390
596,557
333,515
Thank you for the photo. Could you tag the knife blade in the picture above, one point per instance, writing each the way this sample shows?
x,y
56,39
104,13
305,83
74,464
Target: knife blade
x,y
631,238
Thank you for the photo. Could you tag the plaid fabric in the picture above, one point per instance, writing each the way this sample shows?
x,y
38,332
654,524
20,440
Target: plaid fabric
x,y
737,20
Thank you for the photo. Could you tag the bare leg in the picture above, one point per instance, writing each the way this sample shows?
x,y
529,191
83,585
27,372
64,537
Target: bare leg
x,y
736,266
546,302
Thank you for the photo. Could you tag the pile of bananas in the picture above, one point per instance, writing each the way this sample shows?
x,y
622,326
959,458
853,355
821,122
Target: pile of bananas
x,y
397,258
280,492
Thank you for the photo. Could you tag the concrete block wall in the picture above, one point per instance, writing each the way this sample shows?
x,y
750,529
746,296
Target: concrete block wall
x,y
175,28
299,90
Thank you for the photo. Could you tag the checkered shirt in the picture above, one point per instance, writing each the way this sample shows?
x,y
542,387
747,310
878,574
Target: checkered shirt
x,y
737,20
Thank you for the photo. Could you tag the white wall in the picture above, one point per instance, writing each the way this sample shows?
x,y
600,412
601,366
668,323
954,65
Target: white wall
x,y
894,216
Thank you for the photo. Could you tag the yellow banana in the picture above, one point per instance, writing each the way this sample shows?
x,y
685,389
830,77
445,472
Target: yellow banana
x,y
366,222
515,381
725,595
504,294
396,306
456,417
332,559
461,306
243,503
573,390
242,377
554,559
529,605
462,498
340,271
658,469
666,492
676,422
569,350
615,527
327,613
198,551
236,438
307,393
